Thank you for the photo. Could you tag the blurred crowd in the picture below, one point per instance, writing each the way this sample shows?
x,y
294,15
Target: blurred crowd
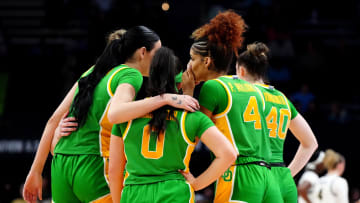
x,y
313,52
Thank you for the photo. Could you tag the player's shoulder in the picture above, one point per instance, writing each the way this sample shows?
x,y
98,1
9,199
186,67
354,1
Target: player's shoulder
x,y
195,114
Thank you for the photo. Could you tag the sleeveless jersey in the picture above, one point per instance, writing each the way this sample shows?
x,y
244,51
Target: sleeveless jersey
x,y
155,157
238,108
94,136
278,111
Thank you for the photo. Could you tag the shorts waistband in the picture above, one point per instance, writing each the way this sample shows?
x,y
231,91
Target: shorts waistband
x,y
260,163
277,164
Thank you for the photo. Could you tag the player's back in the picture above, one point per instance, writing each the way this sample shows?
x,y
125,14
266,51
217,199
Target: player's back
x,y
153,157
241,117
278,111
333,189
93,137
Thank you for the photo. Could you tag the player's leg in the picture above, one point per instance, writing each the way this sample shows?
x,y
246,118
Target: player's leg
x,y
241,183
61,176
286,183
272,192
90,181
288,189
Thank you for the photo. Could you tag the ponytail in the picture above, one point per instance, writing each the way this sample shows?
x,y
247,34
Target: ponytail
x,y
121,47
164,67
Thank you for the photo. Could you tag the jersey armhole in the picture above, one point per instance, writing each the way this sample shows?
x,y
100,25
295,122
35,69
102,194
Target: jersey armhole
x,y
229,104
110,92
183,129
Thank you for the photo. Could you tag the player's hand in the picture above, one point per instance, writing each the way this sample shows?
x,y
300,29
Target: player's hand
x,y
66,127
186,102
188,82
33,187
188,177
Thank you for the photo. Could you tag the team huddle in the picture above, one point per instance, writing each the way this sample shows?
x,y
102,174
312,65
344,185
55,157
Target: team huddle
x,y
109,147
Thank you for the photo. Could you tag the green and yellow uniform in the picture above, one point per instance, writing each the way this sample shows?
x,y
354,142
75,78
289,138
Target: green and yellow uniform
x,y
79,167
238,109
279,112
153,160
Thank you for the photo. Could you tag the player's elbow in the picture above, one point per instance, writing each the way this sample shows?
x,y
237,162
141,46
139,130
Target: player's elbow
x,y
111,117
231,155
114,117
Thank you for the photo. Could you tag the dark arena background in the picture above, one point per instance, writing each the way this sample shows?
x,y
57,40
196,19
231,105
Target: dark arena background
x,y
45,45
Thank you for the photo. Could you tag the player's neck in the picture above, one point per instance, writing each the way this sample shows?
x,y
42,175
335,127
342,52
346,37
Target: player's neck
x,y
137,66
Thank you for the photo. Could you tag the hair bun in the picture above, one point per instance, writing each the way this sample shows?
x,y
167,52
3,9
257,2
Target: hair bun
x,y
258,49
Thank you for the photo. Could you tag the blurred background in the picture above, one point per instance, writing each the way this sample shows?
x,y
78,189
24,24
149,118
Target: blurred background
x,y
45,45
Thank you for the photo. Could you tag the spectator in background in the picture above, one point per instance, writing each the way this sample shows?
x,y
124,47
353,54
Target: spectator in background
x,y
308,185
333,187
303,99
337,113
281,45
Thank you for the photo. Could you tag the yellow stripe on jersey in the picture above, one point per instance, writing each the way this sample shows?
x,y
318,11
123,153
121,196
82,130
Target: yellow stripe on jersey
x,y
192,193
183,131
110,79
127,130
126,176
223,125
228,107
105,133
191,145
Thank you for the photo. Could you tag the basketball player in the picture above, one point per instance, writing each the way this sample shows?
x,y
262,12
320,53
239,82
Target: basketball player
x,y
236,107
309,185
333,187
88,147
280,116
156,146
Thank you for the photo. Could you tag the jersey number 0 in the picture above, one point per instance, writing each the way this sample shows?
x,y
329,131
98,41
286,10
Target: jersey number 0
x,y
145,144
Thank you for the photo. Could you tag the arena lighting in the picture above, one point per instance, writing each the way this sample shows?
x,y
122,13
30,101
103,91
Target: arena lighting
x,y
165,6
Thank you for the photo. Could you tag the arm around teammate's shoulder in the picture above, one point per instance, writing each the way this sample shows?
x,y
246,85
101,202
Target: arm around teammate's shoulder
x,y
123,108
225,155
308,143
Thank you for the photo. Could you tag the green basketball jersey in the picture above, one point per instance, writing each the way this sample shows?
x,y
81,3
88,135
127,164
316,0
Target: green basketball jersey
x,y
238,108
94,136
155,157
278,111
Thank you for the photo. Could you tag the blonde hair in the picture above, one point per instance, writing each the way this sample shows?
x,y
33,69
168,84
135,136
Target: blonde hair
x,y
117,34
332,159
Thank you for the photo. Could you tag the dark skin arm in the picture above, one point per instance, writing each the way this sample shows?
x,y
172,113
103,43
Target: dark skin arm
x,y
302,190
